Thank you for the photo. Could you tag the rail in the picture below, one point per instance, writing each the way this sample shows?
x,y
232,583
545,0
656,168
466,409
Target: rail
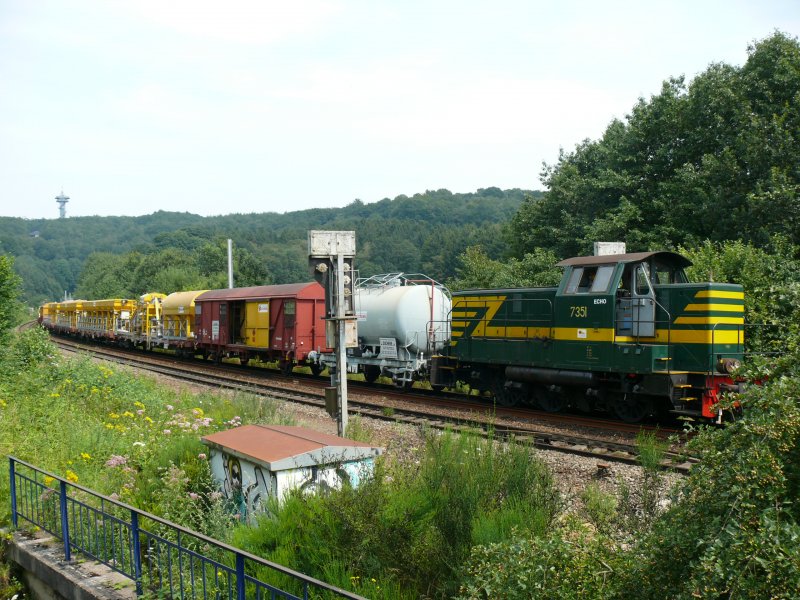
x,y
160,557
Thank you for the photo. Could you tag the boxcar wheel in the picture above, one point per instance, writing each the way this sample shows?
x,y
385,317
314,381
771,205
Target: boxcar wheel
x,y
316,369
286,367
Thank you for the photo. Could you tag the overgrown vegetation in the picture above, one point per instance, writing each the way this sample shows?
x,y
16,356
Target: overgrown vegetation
x,y
473,519
406,533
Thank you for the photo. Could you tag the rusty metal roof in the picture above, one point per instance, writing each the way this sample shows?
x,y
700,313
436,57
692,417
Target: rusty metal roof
x,y
261,292
610,259
281,447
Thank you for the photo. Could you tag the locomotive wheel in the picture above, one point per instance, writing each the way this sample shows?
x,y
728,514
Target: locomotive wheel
x,y
371,373
550,400
630,407
503,396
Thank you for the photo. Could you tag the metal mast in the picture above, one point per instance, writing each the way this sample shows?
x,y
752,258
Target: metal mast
x,y
62,200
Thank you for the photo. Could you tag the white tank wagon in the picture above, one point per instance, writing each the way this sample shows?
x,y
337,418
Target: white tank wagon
x,y
402,320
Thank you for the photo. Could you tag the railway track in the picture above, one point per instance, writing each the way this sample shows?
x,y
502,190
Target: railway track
x,y
458,414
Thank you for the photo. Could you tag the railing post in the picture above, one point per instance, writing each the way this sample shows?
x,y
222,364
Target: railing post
x,y
136,552
12,473
240,576
64,519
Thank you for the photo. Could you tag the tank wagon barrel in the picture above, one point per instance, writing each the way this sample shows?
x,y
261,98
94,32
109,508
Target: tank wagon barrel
x,y
403,319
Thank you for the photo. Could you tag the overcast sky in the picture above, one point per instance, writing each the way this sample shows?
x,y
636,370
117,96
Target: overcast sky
x,y
253,106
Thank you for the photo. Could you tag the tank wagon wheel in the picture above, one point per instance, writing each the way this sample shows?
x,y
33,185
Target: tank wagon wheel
x,y
403,385
371,373
630,407
550,400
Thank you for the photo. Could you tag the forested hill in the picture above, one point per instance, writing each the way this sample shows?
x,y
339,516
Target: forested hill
x,y
166,251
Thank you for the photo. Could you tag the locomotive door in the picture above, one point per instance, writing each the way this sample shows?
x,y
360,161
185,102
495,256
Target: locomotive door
x,y
643,303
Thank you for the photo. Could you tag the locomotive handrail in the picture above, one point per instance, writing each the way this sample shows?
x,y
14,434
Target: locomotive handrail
x,y
165,559
739,331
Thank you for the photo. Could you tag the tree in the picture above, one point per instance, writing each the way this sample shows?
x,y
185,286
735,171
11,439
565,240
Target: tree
x,y
9,288
478,271
712,160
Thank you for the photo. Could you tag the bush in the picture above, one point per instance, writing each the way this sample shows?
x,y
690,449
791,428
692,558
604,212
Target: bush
x,y
413,528
567,564
733,528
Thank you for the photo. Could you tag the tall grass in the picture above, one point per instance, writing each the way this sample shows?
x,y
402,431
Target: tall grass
x,y
404,533
113,431
408,533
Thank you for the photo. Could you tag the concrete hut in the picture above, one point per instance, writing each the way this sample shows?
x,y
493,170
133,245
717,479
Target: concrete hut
x,y
255,462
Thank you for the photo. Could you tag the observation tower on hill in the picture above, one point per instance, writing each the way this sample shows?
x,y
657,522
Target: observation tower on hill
x,y
62,201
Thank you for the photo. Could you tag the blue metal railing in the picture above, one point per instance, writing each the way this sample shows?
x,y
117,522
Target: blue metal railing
x,y
157,555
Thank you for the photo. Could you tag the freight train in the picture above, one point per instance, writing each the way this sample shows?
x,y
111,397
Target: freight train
x,y
626,333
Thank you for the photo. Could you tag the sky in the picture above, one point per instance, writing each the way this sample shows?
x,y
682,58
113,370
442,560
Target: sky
x,y
252,106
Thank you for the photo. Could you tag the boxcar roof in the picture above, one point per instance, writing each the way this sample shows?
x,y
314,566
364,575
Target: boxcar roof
x,y
287,290
668,257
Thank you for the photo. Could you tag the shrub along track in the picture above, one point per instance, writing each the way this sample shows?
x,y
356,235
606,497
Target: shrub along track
x,y
454,412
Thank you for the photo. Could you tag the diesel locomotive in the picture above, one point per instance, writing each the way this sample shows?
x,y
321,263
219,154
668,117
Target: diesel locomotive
x,y
624,332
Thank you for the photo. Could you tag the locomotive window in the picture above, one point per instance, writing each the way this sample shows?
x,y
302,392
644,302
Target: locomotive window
x,y
574,280
668,274
642,280
585,280
602,279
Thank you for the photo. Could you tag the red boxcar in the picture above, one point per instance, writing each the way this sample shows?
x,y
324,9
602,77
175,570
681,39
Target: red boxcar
x,y
271,322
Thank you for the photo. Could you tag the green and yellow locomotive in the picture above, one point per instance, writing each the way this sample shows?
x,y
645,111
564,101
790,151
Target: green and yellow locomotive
x,y
626,332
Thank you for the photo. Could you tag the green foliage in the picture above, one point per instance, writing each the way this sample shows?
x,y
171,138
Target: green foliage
x,y
478,271
9,287
128,256
712,160
412,529
567,565
733,529
115,432
600,507
771,280
10,584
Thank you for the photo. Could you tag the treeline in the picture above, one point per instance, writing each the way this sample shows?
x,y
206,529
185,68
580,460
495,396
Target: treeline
x,y
95,257
710,169
714,160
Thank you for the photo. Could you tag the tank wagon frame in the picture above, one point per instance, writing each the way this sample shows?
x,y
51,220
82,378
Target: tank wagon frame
x,y
626,332
402,322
